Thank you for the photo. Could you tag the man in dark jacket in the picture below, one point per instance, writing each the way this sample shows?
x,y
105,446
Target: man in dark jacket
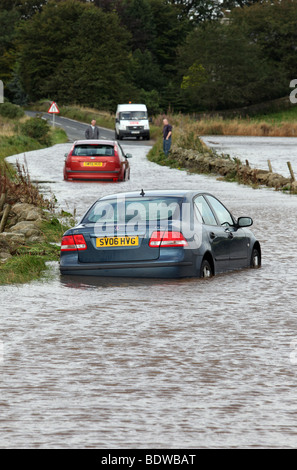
x,y
92,131
167,133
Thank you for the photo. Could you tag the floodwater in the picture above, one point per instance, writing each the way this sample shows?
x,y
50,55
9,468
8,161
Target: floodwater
x,y
132,364
258,150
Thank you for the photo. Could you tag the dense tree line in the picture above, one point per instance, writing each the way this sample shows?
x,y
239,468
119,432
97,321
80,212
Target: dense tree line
x,y
189,55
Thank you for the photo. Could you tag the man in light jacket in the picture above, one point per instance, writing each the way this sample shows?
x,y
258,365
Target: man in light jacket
x,y
92,131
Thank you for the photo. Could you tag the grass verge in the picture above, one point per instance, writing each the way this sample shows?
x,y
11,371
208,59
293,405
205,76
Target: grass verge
x,y
21,269
29,261
13,142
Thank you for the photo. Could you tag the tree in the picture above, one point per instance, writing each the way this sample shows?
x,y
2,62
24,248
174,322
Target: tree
x,y
145,70
229,4
26,8
171,29
197,11
73,52
222,69
137,17
272,26
8,21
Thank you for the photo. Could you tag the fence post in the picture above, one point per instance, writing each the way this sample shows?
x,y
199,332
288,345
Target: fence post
x,y
291,171
4,217
2,200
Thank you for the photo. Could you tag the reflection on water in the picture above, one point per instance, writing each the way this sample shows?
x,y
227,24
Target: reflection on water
x,y
78,282
135,363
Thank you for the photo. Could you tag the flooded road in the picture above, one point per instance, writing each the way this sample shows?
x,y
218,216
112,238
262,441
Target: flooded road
x,y
127,363
257,150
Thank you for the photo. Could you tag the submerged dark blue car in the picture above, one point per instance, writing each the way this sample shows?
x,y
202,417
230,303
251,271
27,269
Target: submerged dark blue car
x,y
160,234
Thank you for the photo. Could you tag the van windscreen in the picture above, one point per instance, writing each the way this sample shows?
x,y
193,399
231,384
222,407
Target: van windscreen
x,y
133,115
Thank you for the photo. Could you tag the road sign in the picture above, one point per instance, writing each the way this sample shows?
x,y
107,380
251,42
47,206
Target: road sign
x,y
53,108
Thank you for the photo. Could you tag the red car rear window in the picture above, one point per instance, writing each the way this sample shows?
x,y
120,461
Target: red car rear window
x,y
93,150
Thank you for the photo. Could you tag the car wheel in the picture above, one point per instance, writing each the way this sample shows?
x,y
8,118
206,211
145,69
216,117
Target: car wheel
x,y
255,259
206,269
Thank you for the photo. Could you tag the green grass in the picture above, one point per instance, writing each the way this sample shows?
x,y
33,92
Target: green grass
x,y
21,269
58,136
15,144
29,261
288,115
12,145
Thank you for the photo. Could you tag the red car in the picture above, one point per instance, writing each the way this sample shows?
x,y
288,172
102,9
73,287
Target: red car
x,y
100,160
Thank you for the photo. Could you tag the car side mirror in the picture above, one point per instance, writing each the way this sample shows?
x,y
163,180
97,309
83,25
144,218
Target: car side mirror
x,y
244,221
66,155
128,155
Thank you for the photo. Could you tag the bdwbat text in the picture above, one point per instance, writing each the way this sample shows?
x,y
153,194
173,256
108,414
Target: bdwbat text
x,y
156,459
172,459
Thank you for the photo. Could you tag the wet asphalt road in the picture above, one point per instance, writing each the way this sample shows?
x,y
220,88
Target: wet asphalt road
x,y
75,130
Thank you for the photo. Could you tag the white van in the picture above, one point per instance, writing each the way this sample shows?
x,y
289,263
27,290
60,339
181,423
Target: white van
x,y
132,121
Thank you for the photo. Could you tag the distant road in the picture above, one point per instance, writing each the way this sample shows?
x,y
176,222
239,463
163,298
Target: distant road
x,y
75,130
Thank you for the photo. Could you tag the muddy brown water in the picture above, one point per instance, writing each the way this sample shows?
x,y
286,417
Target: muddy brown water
x,y
128,363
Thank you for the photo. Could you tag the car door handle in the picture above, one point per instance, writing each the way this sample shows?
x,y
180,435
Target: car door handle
x,y
230,234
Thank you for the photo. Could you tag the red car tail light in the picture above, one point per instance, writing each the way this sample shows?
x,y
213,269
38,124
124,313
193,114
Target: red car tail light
x,y
73,243
167,239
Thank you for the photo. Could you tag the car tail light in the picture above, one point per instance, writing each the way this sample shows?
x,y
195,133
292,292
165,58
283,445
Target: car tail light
x,y
167,239
116,154
73,243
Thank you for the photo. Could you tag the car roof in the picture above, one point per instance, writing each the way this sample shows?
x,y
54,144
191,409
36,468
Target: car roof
x,y
184,193
94,141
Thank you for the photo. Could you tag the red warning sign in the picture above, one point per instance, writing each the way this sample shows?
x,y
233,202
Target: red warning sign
x,y
53,108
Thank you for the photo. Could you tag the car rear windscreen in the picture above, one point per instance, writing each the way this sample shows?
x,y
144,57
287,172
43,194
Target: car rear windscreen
x,y
95,150
141,210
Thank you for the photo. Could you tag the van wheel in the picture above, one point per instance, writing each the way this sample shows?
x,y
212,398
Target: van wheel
x,y
206,269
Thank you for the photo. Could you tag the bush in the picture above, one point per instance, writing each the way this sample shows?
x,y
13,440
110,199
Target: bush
x,y
11,111
37,129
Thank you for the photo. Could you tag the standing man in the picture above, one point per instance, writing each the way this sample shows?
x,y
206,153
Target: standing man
x,y
167,133
92,131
